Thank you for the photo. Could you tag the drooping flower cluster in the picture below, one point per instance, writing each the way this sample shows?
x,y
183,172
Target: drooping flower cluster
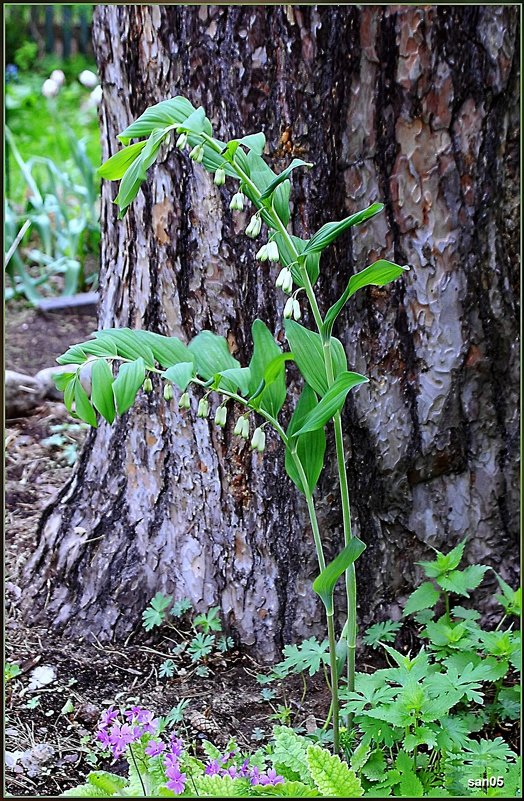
x,y
220,767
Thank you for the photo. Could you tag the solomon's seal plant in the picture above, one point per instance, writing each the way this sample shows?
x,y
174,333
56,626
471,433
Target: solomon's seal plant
x,y
123,361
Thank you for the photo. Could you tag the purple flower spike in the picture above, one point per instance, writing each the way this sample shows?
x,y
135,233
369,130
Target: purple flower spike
x,y
212,768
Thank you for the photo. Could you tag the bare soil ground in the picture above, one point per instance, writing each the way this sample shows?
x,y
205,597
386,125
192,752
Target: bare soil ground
x,y
49,730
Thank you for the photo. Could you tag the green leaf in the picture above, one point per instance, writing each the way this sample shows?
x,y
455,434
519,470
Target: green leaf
x,y
129,344
462,581
196,123
114,168
288,790
410,785
127,383
235,378
166,350
102,389
282,177
281,201
290,751
136,172
380,633
74,355
332,401
168,112
308,353
265,351
379,273
324,584
261,173
110,783
61,380
211,354
424,597
180,374
330,231
288,257
102,346
83,408
310,447
274,368
255,142
510,599
332,776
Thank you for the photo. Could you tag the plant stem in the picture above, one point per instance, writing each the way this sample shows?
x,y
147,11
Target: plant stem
x,y
334,681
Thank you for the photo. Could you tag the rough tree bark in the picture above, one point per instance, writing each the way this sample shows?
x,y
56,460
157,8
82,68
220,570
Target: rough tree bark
x,y
415,106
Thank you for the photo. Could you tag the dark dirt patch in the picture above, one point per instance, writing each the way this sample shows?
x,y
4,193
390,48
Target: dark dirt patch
x,y
34,339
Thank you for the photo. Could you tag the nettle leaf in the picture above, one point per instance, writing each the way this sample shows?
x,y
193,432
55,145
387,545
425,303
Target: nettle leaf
x,y
379,273
83,407
444,562
114,168
332,402
282,177
330,231
462,581
211,354
309,447
290,751
127,383
424,597
308,353
180,374
510,599
332,776
265,352
324,584
129,344
161,115
102,389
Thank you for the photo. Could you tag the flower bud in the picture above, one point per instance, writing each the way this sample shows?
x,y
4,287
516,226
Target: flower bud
x,y
221,416
50,88
220,177
287,285
203,407
168,392
58,77
282,276
254,227
147,386
237,202
272,251
197,154
288,309
297,313
245,428
181,142
239,427
258,442
184,402
262,254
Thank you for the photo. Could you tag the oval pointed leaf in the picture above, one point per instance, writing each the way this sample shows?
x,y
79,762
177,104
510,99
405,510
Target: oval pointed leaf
x,y
135,175
127,383
129,344
102,396
330,231
74,355
324,584
282,177
379,273
236,378
265,351
168,112
196,123
180,374
309,448
255,142
83,408
281,201
211,354
114,168
308,353
332,401
166,350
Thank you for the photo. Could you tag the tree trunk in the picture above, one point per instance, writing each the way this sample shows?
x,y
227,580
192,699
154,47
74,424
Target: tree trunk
x,y
415,106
